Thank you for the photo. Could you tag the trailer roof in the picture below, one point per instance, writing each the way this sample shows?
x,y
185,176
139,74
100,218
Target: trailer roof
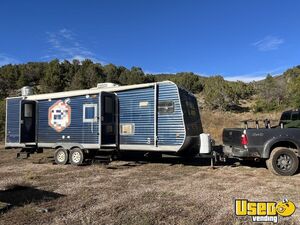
x,y
89,91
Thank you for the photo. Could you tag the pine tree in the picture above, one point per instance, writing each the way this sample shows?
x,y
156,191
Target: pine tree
x,y
54,80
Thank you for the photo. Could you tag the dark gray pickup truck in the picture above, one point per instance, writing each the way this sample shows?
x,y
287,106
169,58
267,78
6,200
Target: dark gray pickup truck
x,y
278,146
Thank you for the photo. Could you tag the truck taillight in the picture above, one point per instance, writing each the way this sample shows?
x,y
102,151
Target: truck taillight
x,y
244,139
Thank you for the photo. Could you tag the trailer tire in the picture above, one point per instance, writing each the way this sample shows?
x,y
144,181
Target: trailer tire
x,y
283,162
61,156
76,157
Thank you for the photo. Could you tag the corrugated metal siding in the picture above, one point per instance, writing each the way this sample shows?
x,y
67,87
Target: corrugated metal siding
x,y
170,126
13,120
78,131
142,117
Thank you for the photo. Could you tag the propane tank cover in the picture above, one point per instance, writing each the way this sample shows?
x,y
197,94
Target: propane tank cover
x,y
205,143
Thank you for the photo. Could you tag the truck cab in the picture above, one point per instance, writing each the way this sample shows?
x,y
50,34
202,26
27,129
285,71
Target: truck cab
x,y
290,119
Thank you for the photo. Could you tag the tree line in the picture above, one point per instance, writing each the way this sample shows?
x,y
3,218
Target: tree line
x,y
273,93
55,76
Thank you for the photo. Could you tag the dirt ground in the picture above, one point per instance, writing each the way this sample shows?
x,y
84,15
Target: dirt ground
x,y
171,191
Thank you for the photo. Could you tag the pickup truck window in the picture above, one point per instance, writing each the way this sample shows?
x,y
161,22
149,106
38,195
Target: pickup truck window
x,y
285,116
295,115
290,119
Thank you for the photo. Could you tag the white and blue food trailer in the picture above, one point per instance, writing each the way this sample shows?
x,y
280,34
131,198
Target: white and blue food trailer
x,y
155,117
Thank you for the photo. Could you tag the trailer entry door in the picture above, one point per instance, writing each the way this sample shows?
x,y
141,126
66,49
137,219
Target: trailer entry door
x,y
109,119
28,122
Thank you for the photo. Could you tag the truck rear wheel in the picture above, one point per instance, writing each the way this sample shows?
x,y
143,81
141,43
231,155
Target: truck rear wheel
x,y
76,157
283,161
61,156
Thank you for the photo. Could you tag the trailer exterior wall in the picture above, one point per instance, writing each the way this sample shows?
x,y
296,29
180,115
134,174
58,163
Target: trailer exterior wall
x,y
78,131
13,120
171,129
191,113
139,105
192,122
132,111
170,126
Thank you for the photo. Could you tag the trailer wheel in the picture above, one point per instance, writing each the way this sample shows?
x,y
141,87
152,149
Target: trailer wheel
x,y
283,161
61,156
76,157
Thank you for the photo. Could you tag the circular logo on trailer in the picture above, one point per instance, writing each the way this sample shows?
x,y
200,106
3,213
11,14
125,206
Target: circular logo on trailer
x,y
59,115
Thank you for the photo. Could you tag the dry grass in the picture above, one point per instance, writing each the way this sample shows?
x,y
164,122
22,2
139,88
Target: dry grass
x,y
215,122
133,192
168,192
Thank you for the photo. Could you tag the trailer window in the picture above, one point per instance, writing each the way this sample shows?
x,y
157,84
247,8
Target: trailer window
x,y
295,116
191,109
89,113
27,110
165,107
108,101
286,116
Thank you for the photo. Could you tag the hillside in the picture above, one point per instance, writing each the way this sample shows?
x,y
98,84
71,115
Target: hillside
x,y
214,93
231,119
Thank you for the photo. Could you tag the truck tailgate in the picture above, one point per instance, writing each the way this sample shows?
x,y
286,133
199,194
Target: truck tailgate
x,y
232,136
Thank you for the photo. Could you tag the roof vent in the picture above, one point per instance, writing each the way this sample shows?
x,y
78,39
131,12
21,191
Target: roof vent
x,y
106,85
26,91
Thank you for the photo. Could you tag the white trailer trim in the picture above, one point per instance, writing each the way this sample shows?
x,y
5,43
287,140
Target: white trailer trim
x,y
91,91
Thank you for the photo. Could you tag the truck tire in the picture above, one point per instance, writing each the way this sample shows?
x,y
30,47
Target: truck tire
x,y
61,156
76,157
283,162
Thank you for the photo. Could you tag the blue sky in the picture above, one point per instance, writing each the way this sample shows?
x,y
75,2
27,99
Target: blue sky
x,y
239,39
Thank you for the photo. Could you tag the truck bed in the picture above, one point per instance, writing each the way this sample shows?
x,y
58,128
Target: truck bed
x,y
278,146
259,141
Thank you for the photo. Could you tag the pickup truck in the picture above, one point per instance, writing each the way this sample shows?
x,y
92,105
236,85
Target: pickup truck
x,y
278,146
